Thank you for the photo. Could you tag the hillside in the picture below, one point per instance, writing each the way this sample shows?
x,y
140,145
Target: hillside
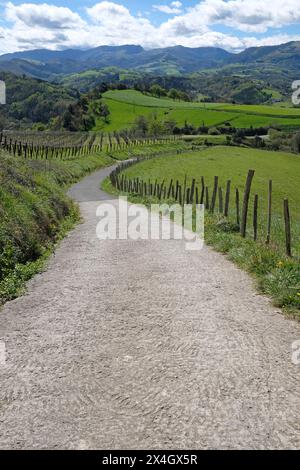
x,y
32,101
215,86
166,61
174,60
127,105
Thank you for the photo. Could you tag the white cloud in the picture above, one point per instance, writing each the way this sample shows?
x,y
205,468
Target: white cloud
x,y
42,15
107,9
173,9
44,25
248,15
114,24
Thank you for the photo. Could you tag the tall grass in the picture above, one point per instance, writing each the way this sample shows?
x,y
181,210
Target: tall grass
x,y
34,213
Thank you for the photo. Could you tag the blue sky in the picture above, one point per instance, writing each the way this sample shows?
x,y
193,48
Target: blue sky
x,y
230,24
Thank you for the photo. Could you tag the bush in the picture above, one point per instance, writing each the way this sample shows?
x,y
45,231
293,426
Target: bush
x,y
296,143
224,225
214,131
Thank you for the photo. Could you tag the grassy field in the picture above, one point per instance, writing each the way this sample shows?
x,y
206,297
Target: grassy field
x,y
140,99
123,115
232,163
35,213
278,276
126,105
263,110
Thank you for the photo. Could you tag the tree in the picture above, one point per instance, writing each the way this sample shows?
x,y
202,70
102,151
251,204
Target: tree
x,y
84,104
96,107
170,125
174,94
183,96
68,121
105,112
157,90
156,126
141,124
100,109
88,122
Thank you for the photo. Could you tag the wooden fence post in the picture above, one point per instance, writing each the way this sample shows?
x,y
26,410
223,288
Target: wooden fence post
x,y
246,202
269,212
227,198
170,189
237,205
287,221
202,190
206,198
177,191
184,190
188,192
214,195
180,194
255,217
220,200
192,193
197,195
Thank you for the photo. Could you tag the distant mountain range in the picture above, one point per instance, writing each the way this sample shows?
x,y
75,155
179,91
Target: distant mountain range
x,y
178,60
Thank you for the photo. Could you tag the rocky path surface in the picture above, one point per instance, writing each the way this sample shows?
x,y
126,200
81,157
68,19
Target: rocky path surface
x,y
124,344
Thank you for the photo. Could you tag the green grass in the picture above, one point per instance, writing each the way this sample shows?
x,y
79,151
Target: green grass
x,y
140,99
277,275
34,214
200,117
262,110
123,115
247,120
233,163
126,105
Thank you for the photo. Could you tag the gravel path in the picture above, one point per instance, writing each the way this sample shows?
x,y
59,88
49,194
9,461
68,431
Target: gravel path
x,y
124,344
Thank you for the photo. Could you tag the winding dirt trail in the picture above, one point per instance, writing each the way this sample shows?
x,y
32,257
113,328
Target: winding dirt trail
x,y
124,344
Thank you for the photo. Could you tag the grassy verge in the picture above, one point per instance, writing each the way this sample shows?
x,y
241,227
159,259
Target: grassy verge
x,y
277,275
35,214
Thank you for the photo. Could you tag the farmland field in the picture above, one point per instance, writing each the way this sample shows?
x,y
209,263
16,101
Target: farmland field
x,y
262,110
126,105
138,98
123,115
233,163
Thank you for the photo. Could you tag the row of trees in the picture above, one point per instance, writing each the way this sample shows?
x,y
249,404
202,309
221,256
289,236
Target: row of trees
x,y
173,93
152,125
155,90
